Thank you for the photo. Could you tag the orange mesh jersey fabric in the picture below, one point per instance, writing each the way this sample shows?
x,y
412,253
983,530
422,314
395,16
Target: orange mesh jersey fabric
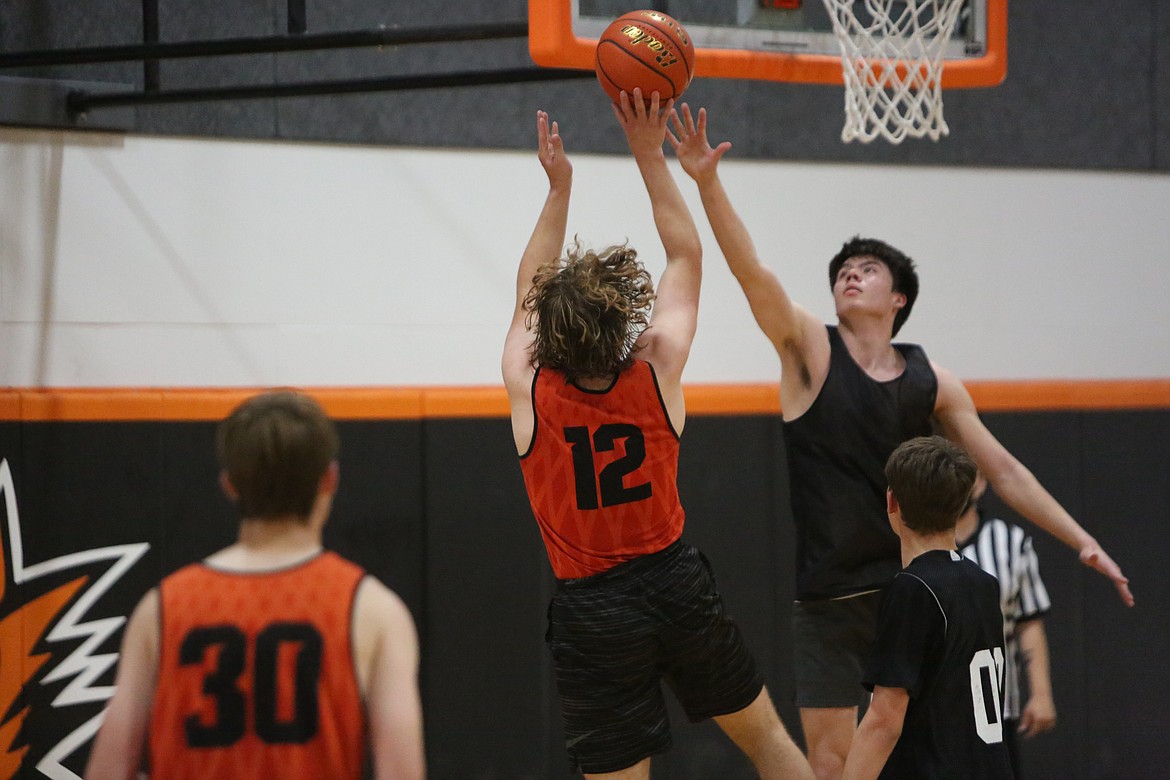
x,y
601,471
256,674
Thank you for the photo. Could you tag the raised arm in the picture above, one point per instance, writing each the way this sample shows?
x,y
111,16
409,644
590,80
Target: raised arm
x,y
798,336
118,750
546,243
1013,482
666,344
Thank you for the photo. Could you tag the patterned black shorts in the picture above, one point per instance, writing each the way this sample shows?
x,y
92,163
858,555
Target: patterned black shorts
x,y
617,635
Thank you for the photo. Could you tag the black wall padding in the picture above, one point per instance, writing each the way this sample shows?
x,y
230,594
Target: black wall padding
x,y
436,508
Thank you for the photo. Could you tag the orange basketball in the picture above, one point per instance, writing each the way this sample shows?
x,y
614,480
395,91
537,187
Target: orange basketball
x,y
646,49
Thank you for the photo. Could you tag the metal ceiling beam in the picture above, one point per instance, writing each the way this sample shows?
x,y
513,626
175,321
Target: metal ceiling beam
x,y
42,103
392,36
83,98
80,102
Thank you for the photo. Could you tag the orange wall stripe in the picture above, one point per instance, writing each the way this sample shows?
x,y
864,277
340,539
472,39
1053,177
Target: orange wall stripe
x,y
372,403
414,403
9,404
763,398
95,404
1061,395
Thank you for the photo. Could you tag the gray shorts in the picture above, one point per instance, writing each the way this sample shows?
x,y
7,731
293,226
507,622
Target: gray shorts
x,y
832,639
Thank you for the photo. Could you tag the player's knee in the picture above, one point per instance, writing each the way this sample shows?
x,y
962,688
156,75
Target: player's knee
x,y
827,760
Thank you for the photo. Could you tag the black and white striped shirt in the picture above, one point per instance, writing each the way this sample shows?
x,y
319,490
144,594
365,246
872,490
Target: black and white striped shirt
x,y
1005,551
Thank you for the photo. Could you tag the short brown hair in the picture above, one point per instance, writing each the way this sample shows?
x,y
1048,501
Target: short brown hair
x,y
587,310
932,479
275,447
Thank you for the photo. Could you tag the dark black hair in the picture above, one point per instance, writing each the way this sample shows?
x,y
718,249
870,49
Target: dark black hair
x,y
900,265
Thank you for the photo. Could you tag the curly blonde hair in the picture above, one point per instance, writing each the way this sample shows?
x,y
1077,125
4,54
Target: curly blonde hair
x,y
588,309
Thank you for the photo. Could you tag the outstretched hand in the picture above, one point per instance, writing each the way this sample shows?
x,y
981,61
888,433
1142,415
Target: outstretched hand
x,y
1093,556
644,125
690,145
551,151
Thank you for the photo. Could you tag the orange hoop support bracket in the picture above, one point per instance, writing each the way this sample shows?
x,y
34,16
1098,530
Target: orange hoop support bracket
x,y
552,44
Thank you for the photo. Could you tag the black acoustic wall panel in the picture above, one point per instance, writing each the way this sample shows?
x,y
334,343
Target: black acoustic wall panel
x,y
437,509
1126,467
488,684
1086,85
1111,470
378,516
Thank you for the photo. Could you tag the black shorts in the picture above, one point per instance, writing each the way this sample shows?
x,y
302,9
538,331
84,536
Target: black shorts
x,y
832,640
616,635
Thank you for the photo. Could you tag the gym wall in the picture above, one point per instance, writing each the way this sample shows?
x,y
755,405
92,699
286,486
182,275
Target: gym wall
x,y
436,508
365,247
145,261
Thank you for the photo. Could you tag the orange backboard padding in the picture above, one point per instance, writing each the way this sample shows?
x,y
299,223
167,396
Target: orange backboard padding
x,y
415,403
552,44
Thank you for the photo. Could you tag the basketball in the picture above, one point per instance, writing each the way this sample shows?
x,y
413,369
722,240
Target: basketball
x,y
645,49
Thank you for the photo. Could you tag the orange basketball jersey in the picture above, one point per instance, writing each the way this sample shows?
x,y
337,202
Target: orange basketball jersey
x,y
256,674
601,471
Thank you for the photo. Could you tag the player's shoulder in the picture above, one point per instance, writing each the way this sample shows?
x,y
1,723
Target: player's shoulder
x,y
375,603
917,582
960,565
908,348
148,607
911,601
192,577
947,380
970,575
939,570
335,560
519,375
145,624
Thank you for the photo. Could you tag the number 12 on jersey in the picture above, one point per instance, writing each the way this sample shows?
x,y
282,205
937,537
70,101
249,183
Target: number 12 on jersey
x,y
610,483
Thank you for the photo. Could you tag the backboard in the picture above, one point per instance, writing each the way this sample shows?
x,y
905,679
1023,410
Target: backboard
x,y
773,40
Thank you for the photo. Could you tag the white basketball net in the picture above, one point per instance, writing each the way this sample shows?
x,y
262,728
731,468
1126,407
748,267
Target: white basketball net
x,y
893,59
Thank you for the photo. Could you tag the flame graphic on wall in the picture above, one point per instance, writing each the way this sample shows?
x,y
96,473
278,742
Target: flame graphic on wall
x,y
58,615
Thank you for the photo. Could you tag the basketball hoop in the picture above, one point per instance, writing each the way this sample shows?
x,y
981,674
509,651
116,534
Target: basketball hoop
x,y
892,58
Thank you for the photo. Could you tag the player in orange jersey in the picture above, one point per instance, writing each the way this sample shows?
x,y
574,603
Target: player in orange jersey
x,y
595,387
272,657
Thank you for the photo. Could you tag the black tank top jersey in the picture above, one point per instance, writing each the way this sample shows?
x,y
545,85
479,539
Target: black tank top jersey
x,y
940,638
837,452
